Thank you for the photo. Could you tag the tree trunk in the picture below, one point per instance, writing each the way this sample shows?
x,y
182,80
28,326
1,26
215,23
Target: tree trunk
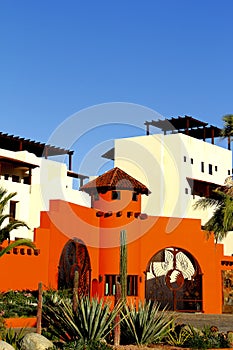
x,y
39,308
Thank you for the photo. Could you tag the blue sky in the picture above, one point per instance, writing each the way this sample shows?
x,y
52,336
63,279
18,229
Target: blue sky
x,y
60,57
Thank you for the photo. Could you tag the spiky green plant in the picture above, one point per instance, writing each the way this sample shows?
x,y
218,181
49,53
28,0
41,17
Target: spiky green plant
x,y
93,319
178,335
14,337
145,325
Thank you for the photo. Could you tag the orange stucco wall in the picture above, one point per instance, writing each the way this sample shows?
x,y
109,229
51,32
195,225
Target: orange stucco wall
x,y
145,237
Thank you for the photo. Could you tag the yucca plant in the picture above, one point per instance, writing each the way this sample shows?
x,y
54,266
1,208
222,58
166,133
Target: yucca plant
x,y
93,319
14,337
145,325
178,335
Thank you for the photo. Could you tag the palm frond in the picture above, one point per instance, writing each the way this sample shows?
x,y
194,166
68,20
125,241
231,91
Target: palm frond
x,y
20,242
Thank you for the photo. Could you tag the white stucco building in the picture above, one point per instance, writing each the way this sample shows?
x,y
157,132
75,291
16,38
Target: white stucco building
x,y
179,166
26,170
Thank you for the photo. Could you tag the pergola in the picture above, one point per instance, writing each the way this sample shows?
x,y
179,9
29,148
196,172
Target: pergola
x,y
187,125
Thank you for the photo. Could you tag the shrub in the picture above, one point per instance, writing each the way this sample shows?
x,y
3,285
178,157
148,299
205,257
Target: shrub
x,y
18,304
14,337
146,325
206,338
93,319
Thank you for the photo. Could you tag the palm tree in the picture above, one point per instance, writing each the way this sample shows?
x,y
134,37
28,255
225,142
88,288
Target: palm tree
x,y
11,225
227,130
222,219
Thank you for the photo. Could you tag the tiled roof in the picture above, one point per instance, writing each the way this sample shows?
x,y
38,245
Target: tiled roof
x,y
115,179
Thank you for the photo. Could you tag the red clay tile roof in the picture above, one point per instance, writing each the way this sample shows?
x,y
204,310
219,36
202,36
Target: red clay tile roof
x,y
115,179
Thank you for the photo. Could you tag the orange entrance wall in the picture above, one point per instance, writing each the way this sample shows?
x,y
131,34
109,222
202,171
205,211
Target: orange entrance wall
x,y
145,236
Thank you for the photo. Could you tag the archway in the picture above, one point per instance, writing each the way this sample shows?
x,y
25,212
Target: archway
x,y
75,257
174,279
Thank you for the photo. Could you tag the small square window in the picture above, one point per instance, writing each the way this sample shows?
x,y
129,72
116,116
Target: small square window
x,y
185,158
116,195
216,168
6,176
191,160
186,191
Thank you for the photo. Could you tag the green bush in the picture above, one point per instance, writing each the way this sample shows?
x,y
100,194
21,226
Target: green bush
x,y
14,338
92,321
146,325
18,304
206,338
90,345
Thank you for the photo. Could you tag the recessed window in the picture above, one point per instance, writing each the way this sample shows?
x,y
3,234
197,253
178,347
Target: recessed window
x,y
191,160
116,195
202,167
110,284
216,168
229,172
15,178
12,212
186,191
135,196
6,176
210,169
132,285
185,158
111,280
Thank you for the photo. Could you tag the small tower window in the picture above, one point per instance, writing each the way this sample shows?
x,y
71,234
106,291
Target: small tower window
x,y
116,195
135,196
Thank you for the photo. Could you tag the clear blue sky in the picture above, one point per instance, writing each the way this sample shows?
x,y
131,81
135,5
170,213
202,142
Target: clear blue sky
x,y
59,57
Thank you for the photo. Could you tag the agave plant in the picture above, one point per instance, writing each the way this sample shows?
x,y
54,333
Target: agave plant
x,y
92,321
145,325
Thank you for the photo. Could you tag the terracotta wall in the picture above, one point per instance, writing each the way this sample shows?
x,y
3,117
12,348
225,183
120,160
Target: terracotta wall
x,y
101,235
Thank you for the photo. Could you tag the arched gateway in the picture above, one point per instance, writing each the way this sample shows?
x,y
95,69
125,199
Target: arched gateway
x,y
174,279
74,257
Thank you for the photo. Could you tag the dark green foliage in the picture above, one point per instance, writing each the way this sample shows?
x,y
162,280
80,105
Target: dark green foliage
x,y
90,345
2,327
93,319
222,219
206,339
18,303
146,325
14,337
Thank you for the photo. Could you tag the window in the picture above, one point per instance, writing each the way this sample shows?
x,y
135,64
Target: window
x,y
229,172
110,284
135,196
6,176
185,158
216,168
210,169
191,160
111,280
116,195
12,212
202,167
15,178
186,191
132,285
